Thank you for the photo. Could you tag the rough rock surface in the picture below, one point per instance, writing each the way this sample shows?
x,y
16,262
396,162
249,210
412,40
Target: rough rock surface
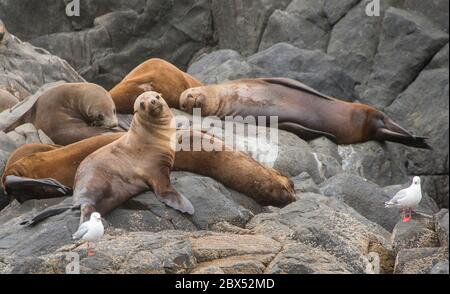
x,y
25,68
397,61
420,260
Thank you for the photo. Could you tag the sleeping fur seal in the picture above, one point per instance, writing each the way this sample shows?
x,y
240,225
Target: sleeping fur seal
x,y
153,75
300,109
67,112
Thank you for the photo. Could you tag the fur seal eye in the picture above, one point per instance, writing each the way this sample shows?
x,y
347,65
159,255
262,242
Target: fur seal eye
x,y
142,105
101,117
190,96
158,97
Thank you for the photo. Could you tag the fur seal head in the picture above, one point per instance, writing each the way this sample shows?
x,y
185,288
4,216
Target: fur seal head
x,y
151,107
200,97
99,108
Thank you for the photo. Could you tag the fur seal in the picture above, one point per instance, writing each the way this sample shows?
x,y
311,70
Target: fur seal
x,y
2,31
300,109
43,171
69,112
138,161
7,100
152,75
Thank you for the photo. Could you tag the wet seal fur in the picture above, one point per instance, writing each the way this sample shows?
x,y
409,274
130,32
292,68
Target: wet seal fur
x,y
152,75
300,109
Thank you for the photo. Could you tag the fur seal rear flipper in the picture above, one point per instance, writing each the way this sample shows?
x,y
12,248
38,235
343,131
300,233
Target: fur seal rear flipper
x,y
26,185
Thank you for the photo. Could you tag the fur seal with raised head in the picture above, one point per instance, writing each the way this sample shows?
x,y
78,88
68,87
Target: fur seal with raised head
x,y
300,109
153,75
138,161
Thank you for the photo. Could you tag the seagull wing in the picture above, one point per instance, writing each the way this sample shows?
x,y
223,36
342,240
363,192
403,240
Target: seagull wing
x,y
400,195
397,198
82,230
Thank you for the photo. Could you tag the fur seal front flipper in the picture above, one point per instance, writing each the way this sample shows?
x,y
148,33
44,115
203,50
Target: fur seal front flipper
x,y
173,198
304,132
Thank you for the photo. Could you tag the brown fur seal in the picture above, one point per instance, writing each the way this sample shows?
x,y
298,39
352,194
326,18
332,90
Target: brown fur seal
x,y
31,163
69,113
138,161
153,75
300,109
2,31
7,100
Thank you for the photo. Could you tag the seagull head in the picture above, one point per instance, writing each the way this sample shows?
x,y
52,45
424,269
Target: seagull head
x,y
96,216
416,181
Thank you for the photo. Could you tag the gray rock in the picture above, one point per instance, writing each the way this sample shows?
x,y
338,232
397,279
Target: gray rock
x,y
365,197
440,60
442,227
374,162
437,188
413,235
413,111
313,68
407,44
419,260
240,24
140,252
305,23
305,184
434,10
302,259
119,32
441,268
325,224
354,40
26,68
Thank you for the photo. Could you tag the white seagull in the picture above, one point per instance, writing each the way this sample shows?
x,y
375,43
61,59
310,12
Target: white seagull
x,y
90,231
407,199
